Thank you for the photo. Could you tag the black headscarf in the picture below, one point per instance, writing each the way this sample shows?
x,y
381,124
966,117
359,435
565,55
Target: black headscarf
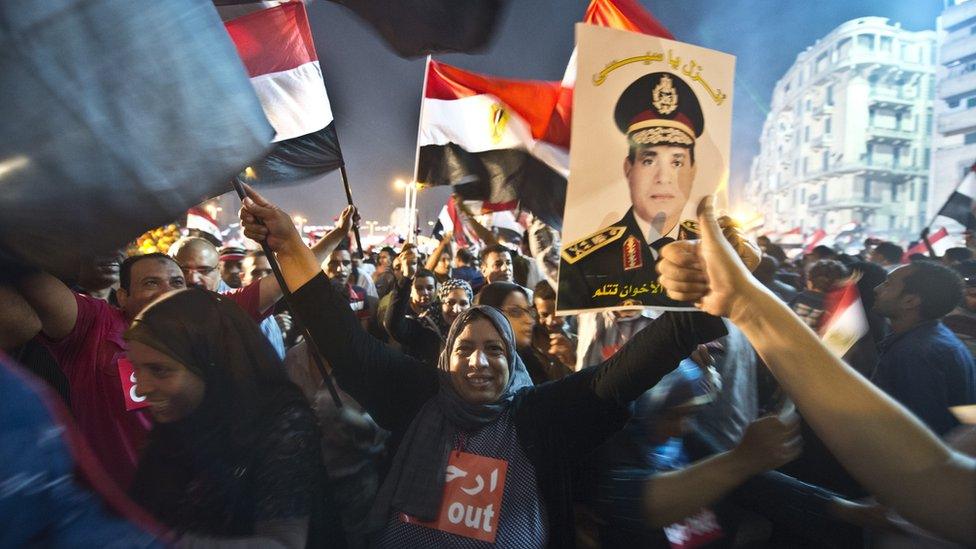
x,y
245,387
415,484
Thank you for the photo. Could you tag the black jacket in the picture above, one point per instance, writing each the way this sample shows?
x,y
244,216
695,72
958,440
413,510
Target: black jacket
x,y
558,423
414,336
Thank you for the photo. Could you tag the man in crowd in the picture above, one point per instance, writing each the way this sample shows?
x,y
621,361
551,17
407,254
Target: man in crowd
x,y
198,258
99,277
553,336
496,264
766,273
962,321
230,265
254,266
464,269
422,291
85,337
384,278
338,268
886,254
922,364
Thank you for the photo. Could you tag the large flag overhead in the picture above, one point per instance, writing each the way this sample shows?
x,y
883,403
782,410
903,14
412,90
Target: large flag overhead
x,y
116,117
961,205
411,27
279,54
486,137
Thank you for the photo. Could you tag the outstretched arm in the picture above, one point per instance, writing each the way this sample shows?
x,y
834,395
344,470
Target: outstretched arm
x,y
879,442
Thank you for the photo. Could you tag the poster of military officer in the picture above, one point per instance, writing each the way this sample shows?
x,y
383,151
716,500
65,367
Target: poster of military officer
x,y
650,137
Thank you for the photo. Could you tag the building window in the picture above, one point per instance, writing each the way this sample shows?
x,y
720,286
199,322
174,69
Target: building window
x,y
830,94
865,41
827,126
970,138
970,102
806,134
886,44
952,103
824,160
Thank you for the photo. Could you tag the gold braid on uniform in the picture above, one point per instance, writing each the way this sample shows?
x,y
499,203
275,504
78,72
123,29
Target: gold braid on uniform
x,y
657,134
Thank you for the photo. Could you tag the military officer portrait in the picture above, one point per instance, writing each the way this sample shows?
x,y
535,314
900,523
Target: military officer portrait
x,y
614,267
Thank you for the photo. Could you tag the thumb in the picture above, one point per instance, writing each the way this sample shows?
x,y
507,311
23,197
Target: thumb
x,y
711,232
256,197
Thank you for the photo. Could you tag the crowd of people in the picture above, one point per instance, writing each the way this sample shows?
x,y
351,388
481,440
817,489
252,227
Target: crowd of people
x,y
432,397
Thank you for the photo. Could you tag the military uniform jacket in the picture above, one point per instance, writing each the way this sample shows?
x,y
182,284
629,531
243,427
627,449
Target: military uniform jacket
x,y
612,267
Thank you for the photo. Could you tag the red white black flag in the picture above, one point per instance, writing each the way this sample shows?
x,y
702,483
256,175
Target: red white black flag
x,y
961,204
485,136
276,47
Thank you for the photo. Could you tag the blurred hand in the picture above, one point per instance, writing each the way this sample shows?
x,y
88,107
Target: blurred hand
x,y
563,349
865,514
770,442
346,218
284,323
707,272
262,221
447,236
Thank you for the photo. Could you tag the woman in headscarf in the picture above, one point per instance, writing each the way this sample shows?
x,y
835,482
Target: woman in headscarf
x,y
481,402
234,456
516,304
477,414
422,335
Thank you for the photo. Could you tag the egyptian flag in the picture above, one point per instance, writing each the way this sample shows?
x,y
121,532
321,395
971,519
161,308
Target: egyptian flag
x,y
279,54
817,238
937,240
625,15
200,223
847,322
484,136
960,205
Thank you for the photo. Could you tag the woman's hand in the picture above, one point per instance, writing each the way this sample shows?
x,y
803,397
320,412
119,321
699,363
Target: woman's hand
x,y
263,221
707,272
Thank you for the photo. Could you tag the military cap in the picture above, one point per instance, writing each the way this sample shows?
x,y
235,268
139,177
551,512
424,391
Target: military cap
x,y
659,109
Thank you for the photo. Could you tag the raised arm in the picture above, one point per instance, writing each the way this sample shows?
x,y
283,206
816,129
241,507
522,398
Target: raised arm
x,y
395,320
389,384
435,256
879,442
53,303
333,238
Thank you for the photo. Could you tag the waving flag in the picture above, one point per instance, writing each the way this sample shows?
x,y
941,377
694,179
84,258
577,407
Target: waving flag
x,y
485,136
961,204
937,240
847,322
279,54
116,117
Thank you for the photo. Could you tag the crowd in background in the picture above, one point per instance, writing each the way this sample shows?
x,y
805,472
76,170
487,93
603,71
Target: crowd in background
x,y
321,418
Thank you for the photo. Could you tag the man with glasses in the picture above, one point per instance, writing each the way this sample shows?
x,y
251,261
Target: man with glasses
x,y
200,263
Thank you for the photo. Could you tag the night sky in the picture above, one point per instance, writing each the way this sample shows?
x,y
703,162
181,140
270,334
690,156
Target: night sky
x,y
375,95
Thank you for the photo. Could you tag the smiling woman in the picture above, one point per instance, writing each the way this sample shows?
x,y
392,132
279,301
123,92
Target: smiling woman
x,y
235,452
478,416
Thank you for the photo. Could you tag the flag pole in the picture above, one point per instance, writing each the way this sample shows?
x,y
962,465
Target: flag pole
x,y
290,299
420,121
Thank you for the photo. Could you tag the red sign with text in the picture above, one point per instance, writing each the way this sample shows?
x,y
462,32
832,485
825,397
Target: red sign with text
x,y
472,497
127,375
695,531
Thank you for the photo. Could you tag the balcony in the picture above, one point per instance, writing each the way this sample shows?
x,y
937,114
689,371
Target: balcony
x,y
843,204
891,100
955,15
880,170
953,123
958,50
889,135
956,85
819,111
821,142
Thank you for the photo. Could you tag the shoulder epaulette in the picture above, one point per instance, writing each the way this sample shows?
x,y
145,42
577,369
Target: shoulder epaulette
x,y
585,246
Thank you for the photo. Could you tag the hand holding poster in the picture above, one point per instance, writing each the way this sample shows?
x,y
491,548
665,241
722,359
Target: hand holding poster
x,y
651,133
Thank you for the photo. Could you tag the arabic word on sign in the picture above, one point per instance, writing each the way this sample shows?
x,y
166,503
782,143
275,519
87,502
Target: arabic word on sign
x,y
632,253
694,531
127,375
472,497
